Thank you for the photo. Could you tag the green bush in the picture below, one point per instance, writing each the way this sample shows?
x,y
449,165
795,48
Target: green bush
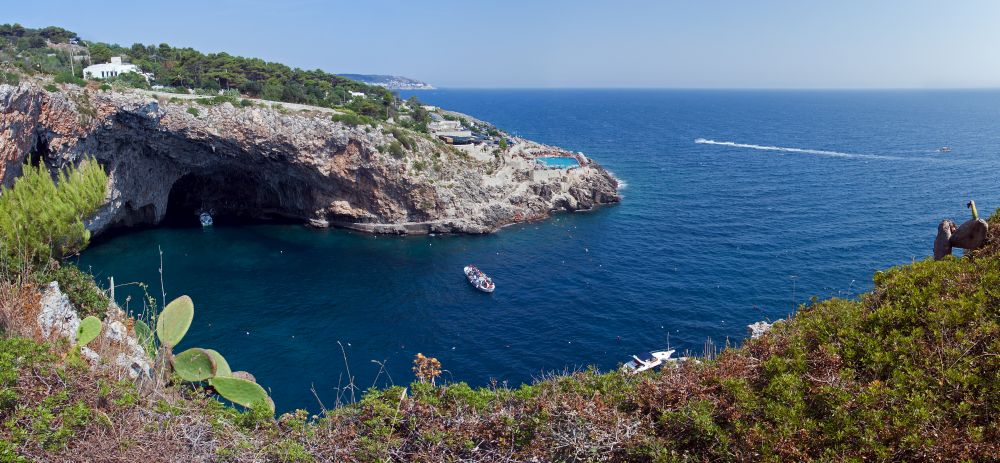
x,y
40,219
10,78
193,111
352,119
51,88
80,287
68,78
396,150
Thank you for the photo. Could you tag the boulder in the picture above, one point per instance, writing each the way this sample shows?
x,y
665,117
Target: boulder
x,y
942,243
57,317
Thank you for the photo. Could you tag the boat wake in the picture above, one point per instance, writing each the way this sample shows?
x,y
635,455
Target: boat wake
x,y
837,154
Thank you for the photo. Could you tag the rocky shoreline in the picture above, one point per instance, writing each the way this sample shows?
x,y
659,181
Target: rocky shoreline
x,y
170,156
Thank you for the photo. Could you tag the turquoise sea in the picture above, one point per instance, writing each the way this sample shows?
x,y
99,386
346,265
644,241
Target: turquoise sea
x,y
738,206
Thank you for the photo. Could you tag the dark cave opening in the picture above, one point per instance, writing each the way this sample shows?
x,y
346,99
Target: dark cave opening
x,y
232,197
39,151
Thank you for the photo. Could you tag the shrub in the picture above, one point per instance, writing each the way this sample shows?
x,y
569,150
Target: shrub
x,y
68,78
51,87
396,150
105,87
80,287
352,119
403,138
10,78
193,111
40,219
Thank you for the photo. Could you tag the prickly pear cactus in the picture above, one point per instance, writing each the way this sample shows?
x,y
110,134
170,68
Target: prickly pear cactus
x,y
244,375
241,391
194,365
89,329
221,365
174,321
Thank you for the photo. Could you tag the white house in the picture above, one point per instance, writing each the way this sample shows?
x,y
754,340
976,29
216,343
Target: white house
x,y
356,94
106,70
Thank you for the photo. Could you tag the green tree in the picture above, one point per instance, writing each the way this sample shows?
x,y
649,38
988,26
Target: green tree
x,y
100,53
42,218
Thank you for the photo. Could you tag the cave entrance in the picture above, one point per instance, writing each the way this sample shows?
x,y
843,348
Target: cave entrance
x,y
232,197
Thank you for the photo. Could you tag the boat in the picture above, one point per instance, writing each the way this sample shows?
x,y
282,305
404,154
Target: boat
x,y
206,219
478,279
944,149
648,361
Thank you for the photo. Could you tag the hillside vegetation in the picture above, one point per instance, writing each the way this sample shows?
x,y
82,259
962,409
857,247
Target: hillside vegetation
x,y
907,372
48,50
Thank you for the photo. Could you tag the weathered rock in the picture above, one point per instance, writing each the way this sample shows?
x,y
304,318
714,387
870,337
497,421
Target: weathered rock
x,y
758,329
942,243
57,317
264,163
970,235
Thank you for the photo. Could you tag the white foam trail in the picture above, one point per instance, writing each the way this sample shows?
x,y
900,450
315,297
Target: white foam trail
x,y
838,154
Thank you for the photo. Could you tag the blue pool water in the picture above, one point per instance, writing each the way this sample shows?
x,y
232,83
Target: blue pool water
x,y
558,162
738,206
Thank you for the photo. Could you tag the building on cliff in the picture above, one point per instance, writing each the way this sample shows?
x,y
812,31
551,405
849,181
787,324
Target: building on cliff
x,y
112,69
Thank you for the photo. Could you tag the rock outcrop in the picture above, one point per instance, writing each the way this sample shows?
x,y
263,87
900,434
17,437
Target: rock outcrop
x,y
58,319
166,159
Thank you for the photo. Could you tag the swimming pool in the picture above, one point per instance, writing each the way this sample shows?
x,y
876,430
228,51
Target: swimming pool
x,y
557,162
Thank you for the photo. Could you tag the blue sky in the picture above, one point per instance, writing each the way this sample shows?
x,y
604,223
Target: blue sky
x,y
517,43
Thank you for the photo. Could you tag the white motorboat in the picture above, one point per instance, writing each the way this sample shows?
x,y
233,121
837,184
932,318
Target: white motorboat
x,y
648,361
944,149
478,279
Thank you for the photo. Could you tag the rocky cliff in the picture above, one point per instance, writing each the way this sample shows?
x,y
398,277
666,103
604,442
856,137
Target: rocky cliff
x,y
174,158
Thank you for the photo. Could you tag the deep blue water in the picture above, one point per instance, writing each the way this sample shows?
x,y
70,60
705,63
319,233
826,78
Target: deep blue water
x,y
709,237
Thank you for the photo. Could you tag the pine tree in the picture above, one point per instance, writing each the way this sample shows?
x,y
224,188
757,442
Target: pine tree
x,y
42,219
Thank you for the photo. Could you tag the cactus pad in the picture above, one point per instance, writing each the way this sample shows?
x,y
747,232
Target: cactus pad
x,y
221,365
244,375
174,321
241,391
89,329
194,365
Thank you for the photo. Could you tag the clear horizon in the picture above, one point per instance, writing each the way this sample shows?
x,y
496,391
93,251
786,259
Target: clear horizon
x,y
771,45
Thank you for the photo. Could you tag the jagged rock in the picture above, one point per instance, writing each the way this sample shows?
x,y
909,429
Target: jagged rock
x,y
115,331
57,317
942,243
758,329
265,163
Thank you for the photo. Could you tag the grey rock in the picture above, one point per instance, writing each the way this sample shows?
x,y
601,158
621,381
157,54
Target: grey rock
x,y
942,243
266,163
970,235
57,317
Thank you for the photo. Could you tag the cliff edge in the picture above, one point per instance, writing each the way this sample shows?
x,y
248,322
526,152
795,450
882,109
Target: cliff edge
x,y
254,160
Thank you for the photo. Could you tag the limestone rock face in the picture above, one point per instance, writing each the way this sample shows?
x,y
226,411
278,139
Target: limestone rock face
x,y
57,317
263,162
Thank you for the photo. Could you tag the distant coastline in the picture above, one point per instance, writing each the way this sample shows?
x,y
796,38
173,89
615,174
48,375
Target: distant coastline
x,y
390,82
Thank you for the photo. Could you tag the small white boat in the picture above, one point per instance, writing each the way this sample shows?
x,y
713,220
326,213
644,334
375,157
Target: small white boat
x,y
206,219
944,149
648,361
478,279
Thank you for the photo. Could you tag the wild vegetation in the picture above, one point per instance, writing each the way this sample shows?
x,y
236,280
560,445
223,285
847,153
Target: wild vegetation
x,y
907,372
31,50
